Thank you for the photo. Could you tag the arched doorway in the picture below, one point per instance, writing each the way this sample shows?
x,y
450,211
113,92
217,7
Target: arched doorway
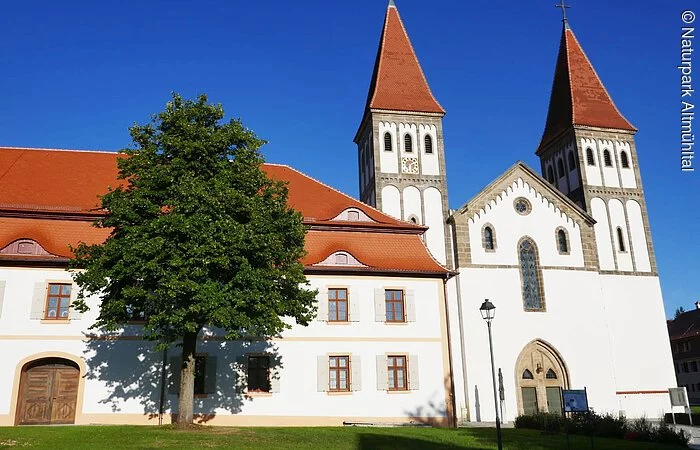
x,y
48,392
540,376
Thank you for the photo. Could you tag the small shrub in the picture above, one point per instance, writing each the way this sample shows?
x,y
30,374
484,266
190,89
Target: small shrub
x,y
610,426
667,435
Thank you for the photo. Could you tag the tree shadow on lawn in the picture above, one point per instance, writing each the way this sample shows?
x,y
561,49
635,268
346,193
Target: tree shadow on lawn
x,y
374,441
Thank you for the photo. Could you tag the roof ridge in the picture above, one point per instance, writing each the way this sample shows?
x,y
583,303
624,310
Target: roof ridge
x,y
4,147
411,224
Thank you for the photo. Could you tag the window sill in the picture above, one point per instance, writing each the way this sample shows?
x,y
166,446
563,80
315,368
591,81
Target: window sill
x,y
334,393
338,322
55,321
398,391
396,323
258,394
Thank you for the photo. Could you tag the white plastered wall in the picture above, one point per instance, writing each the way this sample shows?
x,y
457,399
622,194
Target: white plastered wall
x,y
626,174
391,201
638,236
388,161
599,211
435,220
610,176
430,162
593,177
412,204
617,220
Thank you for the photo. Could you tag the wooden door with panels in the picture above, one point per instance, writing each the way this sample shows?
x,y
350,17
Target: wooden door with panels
x,y
48,392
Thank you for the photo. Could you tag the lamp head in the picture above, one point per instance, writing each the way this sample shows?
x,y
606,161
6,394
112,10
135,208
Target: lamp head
x,y
487,310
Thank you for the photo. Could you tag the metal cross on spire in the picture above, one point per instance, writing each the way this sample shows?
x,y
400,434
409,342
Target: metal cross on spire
x,y
563,10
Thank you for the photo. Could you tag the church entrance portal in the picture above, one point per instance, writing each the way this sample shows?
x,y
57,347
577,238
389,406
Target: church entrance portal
x,y
540,376
48,392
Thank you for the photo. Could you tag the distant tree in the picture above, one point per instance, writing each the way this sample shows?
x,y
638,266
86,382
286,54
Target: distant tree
x,y
679,311
200,237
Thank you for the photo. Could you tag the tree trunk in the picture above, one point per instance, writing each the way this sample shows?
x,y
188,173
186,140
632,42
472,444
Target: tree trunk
x,y
185,415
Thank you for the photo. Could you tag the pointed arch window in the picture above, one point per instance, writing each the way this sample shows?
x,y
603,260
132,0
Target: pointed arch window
x,y
572,161
408,143
607,160
488,238
428,144
624,160
530,276
387,142
560,168
590,160
527,375
562,241
550,174
550,375
620,240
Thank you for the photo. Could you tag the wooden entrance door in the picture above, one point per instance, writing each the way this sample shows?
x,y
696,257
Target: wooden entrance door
x,y
48,393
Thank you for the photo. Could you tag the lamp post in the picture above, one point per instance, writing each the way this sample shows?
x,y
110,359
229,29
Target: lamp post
x,y
488,312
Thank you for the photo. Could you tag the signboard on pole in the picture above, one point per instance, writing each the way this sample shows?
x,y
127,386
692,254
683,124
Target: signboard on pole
x,y
678,396
575,400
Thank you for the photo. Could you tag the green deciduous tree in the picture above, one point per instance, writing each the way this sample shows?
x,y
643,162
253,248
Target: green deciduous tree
x,y
200,236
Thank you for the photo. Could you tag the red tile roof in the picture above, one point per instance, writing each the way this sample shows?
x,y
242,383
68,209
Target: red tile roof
x,y
51,185
578,96
398,82
54,180
685,325
379,251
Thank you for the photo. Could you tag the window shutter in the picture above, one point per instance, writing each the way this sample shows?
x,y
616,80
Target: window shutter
x,y
322,373
38,301
322,298
74,314
410,305
2,295
356,373
174,372
382,375
413,381
379,308
354,307
210,375
274,377
241,373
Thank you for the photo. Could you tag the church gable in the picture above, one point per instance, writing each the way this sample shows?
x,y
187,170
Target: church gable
x,y
521,204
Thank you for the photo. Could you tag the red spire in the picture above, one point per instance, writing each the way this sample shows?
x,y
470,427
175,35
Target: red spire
x,y
398,82
578,95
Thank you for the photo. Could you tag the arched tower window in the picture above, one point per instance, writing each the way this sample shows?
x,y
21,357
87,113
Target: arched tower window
x,y
550,174
590,160
387,142
488,238
560,168
572,161
428,144
550,375
607,159
527,375
620,240
562,241
530,276
408,143
623,159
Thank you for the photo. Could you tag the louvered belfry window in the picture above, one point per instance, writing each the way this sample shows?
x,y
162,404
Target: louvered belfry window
x,y
428,144
387,142
408,143
530,276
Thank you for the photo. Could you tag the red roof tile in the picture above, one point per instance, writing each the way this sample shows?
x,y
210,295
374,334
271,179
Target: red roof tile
x,y
55,180
64,181
398,82
379,251
578,96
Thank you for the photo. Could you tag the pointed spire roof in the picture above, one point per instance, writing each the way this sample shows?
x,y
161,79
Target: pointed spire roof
x,y
398,82
578,96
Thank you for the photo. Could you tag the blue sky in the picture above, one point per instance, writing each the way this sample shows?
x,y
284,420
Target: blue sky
x,y
78,74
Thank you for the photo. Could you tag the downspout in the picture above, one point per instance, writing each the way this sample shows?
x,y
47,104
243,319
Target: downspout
x,y
463,348
449,351
161,400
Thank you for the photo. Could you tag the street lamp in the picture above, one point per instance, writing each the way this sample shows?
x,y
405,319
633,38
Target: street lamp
x,y
488,312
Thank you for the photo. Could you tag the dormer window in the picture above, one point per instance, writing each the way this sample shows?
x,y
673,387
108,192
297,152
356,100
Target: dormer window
x,y
25,248
408,143
341,259
354,216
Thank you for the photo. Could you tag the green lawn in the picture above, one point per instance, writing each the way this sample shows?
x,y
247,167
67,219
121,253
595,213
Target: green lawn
x,y
133,437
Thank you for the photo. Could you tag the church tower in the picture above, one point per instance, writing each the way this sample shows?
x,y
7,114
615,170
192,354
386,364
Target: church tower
x,y
588,152
400,143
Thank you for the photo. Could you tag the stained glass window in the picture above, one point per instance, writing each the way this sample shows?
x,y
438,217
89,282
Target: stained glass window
x,y
529,274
